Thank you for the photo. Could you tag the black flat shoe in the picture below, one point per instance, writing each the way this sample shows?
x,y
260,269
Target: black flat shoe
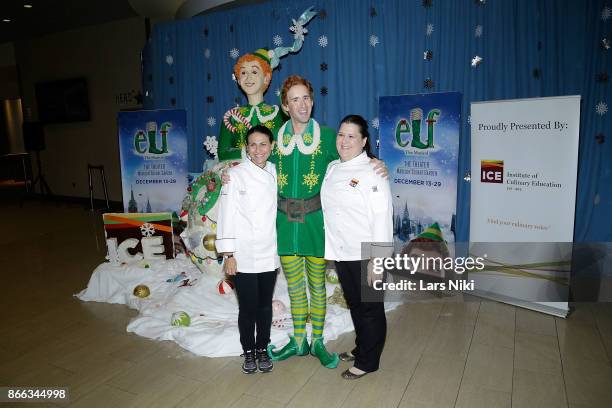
x,y
346,356
348,375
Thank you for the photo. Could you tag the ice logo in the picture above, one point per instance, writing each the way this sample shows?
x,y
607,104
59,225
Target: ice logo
x,y
416,119
146,143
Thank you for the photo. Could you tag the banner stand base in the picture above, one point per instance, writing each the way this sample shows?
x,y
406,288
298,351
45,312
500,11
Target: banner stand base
x,y
538,307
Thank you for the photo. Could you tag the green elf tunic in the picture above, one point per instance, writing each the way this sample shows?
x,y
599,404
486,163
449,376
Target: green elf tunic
x,y
236,123
301,162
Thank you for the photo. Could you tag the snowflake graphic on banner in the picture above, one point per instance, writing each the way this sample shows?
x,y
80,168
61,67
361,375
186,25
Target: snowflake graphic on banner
x,y
277,92
298,30
606,13
169,60
374,40
430,29
207,53
478,31
601,108
234,53
323,41
147,230
211,144
211,121
375,123
277,40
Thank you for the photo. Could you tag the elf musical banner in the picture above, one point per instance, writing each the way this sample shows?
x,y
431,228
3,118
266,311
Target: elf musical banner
x,y
419,142
523,193
153,148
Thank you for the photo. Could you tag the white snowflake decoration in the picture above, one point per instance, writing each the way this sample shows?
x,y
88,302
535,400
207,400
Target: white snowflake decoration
x,y
606,13
211,144
234,53
374,40
476,61
277,40
601,108
478,31
323,41
298,30
147,230
469,119
375,123
430,29
211,121
207,53
277,92
169,60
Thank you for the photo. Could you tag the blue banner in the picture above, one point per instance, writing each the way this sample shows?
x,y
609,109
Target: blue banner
x,y
419,141
153,146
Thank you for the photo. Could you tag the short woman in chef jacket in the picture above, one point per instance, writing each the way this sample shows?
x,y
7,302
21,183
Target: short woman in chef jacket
x,y
357,208
246,236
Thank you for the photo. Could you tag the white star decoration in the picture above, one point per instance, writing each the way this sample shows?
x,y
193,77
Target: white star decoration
x,y
211,144
323,41
298,30
234,53
374,40
429,30
601,108
375,123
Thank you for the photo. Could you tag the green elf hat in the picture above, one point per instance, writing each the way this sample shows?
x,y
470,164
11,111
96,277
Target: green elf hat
x,y
431,234
263,54
273,57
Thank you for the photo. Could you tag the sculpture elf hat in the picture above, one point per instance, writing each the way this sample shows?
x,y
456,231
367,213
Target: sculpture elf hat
x,y
431,234
273,57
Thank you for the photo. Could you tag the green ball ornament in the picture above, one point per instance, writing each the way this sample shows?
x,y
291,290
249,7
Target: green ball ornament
x,y
180,319
331,276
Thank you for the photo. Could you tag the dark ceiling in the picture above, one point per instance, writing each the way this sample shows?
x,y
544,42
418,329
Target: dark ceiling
x,y
50,16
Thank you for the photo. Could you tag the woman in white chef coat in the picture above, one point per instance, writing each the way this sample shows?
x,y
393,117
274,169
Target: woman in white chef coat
x,y
357,208
246,236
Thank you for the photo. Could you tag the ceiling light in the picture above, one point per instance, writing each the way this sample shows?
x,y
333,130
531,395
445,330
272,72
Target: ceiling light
x,y
6,20
27,6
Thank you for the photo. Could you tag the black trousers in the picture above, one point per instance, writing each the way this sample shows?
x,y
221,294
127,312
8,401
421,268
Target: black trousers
x,y
368,317
255,292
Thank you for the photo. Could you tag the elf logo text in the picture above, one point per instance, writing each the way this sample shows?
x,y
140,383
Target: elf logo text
x,y
414,127
150,143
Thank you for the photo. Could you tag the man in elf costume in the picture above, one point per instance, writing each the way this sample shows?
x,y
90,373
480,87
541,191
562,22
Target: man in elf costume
x,y
303,151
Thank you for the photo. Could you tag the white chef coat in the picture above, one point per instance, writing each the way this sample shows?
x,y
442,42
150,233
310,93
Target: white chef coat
x,y
357,208
246,225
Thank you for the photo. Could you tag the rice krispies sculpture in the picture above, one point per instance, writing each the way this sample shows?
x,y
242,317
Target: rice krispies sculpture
x,y
253,73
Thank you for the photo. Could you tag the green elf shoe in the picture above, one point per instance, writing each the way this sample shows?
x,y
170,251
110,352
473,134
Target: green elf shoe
x,y
291,349
318,350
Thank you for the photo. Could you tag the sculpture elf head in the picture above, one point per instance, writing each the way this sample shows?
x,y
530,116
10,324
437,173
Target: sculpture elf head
x,y
253,71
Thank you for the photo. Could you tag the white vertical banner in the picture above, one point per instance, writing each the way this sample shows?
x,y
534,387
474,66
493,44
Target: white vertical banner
x,y
524,162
